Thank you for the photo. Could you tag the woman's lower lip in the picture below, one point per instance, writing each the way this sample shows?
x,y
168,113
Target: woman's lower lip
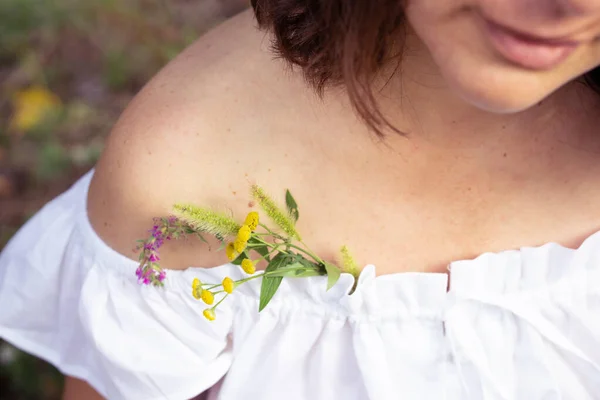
x,y
528,53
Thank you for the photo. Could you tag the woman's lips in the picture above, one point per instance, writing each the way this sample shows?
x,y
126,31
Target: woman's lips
x,y
528,52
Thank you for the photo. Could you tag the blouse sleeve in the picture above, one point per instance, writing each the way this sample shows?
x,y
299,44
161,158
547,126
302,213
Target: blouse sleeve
x,y
68,298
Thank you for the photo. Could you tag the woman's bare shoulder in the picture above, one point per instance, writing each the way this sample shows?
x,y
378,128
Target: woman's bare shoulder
x,y
191,135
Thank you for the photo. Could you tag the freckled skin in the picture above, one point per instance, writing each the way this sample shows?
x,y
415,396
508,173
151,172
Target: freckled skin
x,y
448,191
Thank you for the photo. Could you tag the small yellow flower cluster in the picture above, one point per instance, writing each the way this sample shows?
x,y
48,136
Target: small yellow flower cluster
x,y
197,289
209,314
241,241
208,297
202,294
230,251
284,257
235,248
252,220
248,266
228,285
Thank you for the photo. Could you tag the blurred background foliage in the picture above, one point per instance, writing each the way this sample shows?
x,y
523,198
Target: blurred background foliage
x,y
67,70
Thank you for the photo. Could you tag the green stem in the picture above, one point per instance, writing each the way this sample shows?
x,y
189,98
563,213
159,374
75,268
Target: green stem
x,y
265,234
263,257
265,227
272,233
308,252
305,250
241,281
263,243
248,279
219,302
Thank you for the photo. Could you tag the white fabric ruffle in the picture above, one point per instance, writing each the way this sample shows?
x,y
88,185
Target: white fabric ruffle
x,y
515,325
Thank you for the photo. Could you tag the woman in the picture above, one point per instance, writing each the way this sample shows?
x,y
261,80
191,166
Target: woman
x,y
447,133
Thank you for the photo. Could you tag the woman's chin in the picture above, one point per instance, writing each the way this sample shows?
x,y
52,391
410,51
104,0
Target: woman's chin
x,y
502,104
502,93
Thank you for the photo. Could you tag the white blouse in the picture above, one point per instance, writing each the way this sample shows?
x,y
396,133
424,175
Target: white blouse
x,y
521,324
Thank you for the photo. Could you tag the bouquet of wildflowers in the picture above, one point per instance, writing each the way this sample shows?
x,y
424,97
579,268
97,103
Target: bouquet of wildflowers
x,y
246,245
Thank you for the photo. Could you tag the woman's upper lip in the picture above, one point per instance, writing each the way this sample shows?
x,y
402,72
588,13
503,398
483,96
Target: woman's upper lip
x,y
533,38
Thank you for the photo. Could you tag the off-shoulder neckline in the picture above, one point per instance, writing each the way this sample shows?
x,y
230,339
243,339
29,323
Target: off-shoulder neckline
x,y
461,273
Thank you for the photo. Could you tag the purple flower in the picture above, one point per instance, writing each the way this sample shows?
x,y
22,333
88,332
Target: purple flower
x,y
156,232
163,229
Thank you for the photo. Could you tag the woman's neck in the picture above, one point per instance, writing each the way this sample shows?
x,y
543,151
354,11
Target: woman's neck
x,y
419,103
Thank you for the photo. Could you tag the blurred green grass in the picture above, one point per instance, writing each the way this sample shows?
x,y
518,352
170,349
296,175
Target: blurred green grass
x,y
92,56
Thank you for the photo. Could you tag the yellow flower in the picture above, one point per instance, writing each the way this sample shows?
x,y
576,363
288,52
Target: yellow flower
x,y
252,220
196,288
209,314
230,251
244,233
228,284
31,106
248,266
239,245
207,296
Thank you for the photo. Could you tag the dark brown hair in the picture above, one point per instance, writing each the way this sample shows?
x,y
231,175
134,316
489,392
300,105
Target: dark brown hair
x,y
343,42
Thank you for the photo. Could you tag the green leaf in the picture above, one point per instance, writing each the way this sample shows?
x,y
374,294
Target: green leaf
x,y
269,284
310,264
240,258
201,238
297,270
333,274
292,206
262,250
